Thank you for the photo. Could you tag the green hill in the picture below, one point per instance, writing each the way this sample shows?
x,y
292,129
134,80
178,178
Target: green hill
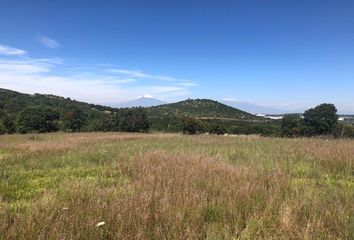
x,y
51,113
168,117
199,108
13,102
42,113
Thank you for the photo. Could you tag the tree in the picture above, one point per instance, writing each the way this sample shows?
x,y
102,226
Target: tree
x,y
73,119
291,125
9,125
345,130
192,125
141,120
38,119
217,129
132,120
2,129
321,119
99,124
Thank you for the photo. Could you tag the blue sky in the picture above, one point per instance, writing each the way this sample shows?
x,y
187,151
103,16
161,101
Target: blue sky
x,y
290,54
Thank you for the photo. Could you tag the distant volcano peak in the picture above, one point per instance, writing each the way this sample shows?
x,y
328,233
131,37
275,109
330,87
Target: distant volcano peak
x,y
143,101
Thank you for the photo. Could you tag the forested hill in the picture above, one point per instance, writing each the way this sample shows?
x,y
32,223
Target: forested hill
x,y
21,112
200,108
14,102
26,113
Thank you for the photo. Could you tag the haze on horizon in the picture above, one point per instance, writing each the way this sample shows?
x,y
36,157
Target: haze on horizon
x,y
284,54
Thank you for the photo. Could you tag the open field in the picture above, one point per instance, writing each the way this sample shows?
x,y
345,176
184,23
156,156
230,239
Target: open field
x,y
159,186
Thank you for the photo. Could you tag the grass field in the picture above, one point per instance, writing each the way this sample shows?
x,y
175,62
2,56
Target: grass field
x,y
159,186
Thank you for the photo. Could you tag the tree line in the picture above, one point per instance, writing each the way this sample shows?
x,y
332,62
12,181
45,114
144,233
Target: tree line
x,y
319,121
42,119
24,113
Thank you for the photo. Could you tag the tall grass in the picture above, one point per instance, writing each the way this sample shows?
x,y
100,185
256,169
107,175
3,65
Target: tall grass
x,y
159,186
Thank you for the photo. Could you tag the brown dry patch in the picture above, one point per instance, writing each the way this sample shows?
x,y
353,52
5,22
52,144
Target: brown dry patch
x,y
223,140
68,141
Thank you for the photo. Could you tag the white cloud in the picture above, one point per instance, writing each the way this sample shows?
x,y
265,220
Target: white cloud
x,y
6,50
188,84
164,89
89,83
22,67
139,74
229,99
166,93
129,73
49,60
172,87
147,96
48,42
31,78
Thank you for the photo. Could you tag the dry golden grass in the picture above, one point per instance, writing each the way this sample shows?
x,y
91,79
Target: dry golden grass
x,y
157,186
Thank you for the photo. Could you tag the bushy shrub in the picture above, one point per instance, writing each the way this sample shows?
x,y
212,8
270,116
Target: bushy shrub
x,y
249,128
192,125
217,129
73,119
38,119
2,129
132,120
345,131
291,125
9,125
322,119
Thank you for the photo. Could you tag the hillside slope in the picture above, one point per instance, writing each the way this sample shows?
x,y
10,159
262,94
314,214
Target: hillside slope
x,y
63,113
13,102
199,108
71,115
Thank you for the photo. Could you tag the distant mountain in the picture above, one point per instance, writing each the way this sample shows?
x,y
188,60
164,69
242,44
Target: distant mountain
x,y
141,102
253,108
200,108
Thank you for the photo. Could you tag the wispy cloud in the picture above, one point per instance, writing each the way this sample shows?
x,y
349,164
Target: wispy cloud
x,y
6,50
140,74
130,73
30,76
172,86
22,67
48,42
188,84
90,83
229,99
